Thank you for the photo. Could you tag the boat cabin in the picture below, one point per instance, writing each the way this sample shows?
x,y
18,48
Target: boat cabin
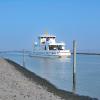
x,y
46,38
48,42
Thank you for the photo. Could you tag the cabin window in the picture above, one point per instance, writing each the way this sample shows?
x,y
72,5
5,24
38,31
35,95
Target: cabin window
x,y
56,47
52,47
60,47
42,40
47,39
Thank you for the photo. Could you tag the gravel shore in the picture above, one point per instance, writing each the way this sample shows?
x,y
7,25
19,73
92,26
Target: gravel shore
x,y
18,83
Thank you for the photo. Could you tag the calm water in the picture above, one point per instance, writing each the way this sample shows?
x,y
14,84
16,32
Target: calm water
x,y
59,71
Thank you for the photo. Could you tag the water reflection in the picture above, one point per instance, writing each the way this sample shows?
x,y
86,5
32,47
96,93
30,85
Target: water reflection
x,y
57,71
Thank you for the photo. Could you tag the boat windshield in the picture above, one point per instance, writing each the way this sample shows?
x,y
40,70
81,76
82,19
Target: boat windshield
x,y
56,47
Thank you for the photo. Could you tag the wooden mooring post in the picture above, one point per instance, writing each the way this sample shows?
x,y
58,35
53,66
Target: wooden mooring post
x,y
23,58
74,67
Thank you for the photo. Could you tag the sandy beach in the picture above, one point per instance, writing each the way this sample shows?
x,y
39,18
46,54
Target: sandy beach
x,y
18,83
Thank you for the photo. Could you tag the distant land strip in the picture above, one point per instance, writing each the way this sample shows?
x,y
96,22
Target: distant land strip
x,y
87,53
27,51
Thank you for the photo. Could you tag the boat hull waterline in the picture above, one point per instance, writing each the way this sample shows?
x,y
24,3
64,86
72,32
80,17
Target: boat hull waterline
x,y
57,54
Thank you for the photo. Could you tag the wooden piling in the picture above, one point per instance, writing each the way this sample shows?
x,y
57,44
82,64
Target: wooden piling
x,y
74,67
23,58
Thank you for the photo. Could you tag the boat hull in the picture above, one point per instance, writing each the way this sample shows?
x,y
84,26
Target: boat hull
x,y
51,53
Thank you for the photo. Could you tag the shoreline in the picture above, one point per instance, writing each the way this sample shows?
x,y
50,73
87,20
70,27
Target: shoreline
x,y
33,78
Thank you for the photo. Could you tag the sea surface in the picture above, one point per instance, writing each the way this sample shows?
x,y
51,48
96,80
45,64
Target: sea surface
x,y
58,71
